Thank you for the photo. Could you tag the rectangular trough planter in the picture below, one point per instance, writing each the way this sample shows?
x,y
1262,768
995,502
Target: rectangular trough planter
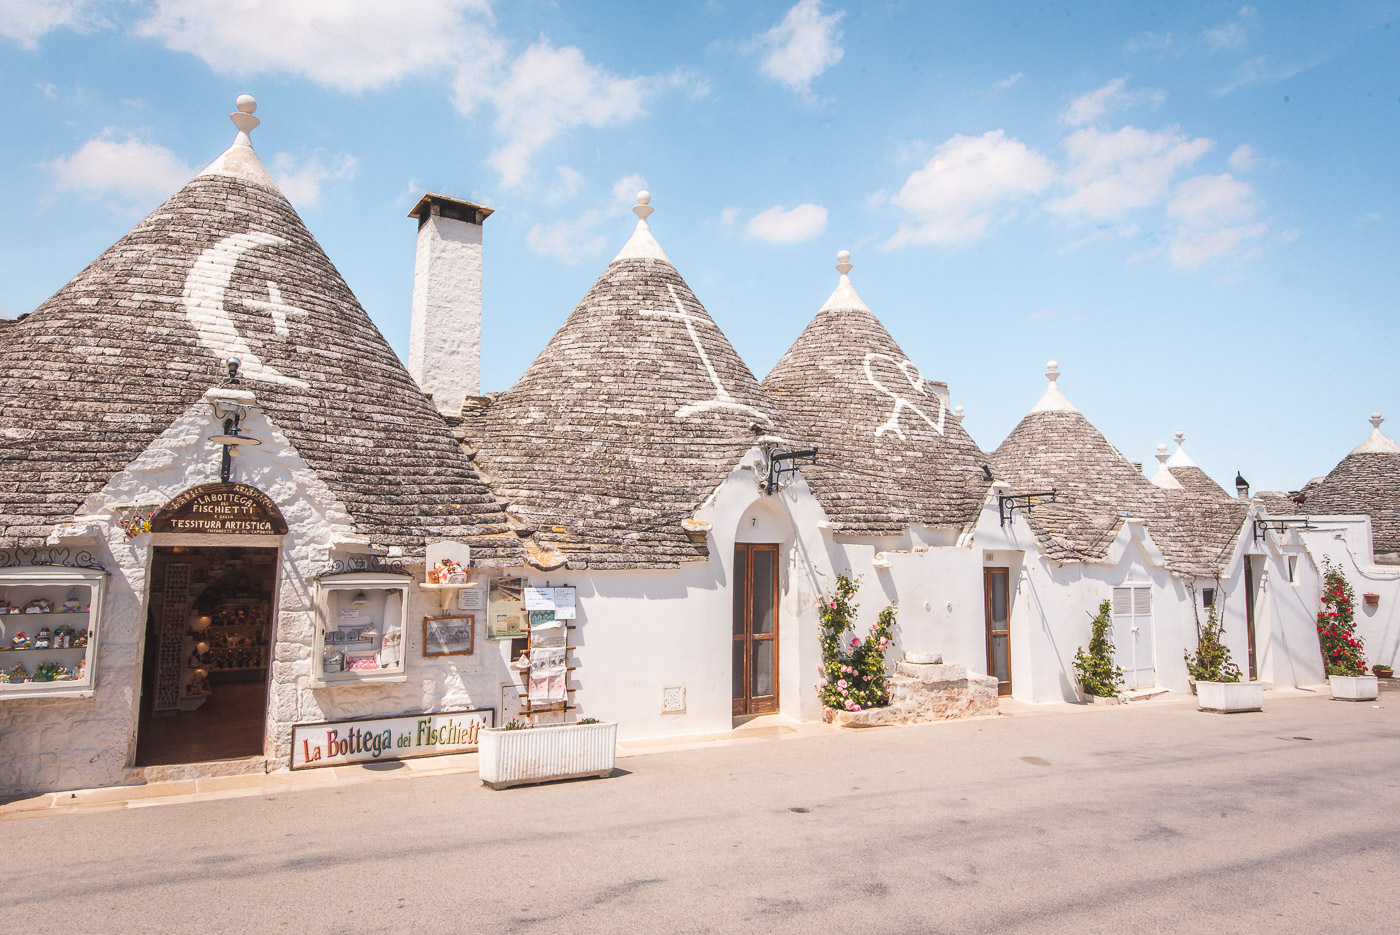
x,y
541,754
1355,687
1230,697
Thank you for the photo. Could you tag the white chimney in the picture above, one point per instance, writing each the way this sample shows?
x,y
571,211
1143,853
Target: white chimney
x,y
444,338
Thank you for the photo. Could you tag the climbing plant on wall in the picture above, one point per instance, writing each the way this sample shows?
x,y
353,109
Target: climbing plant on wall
x,y
1098,675
852,672
1342,652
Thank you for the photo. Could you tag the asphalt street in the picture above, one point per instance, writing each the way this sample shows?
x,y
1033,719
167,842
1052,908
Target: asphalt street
x,y
1150,817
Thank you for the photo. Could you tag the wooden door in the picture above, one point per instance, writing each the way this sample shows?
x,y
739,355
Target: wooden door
x,y
755,649
996,588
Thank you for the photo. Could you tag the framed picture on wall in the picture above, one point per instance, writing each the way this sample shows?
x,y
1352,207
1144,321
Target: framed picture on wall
x,y
448,636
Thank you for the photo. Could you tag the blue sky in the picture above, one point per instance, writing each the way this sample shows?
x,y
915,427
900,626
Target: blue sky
x,y
1192,207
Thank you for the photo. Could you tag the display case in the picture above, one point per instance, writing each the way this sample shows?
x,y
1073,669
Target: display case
x,y
49,631
360,633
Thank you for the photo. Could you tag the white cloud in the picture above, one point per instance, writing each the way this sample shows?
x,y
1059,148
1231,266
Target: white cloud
x,y
1216,214
728,216
545,92
26,21
1243,158
1008,81
572,240
1150,42
1369,217
566,187
1229,35
301,177
1260,70
348,45
783,225
1094,104
959,193
1116,171
802,46
130,169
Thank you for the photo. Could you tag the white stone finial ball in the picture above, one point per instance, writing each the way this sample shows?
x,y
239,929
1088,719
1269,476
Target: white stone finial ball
x,y
1162,448
843,257
246,103
1376,420
1052,365
643,197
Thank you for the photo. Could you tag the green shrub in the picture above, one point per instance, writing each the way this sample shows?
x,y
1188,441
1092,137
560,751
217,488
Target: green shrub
x,y
1098,675
1211,663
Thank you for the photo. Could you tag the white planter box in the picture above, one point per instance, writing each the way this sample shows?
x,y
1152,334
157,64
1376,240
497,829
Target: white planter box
x,y
1355,687
1229,697
540,754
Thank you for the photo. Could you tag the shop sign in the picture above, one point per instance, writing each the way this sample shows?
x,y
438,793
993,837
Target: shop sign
x,y
369,740
221,509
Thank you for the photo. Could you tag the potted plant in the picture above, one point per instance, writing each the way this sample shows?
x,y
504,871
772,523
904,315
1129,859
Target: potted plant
x,y
521,752
1383,671
1216,677
1098,676
1342,653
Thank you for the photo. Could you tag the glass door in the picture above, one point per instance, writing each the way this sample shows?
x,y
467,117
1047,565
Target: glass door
x,y
755,629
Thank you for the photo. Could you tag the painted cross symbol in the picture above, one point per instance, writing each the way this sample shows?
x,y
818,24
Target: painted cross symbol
x,y
722,398
916,380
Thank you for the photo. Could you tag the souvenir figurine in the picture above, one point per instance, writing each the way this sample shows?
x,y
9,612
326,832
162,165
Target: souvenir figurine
x,y
7,608
43,639
19,640
80,672
71,604
62,636
81,638
19,674
38,606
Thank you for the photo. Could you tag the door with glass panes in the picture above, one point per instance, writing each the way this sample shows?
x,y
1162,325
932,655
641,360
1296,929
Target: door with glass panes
x,y
755,641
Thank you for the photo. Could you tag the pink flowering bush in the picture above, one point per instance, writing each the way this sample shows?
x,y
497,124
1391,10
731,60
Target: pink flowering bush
x,y
852,672
1342,652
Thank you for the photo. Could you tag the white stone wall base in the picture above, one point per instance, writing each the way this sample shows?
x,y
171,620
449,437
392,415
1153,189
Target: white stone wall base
x,y
920,694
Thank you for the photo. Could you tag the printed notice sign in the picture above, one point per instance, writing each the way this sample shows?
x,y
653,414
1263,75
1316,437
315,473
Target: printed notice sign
x,y
387,738
564,603
539,598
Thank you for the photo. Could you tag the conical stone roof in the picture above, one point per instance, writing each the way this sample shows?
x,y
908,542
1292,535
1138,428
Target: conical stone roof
x,y
1366,481
226,268
625,423
1056,448
891,453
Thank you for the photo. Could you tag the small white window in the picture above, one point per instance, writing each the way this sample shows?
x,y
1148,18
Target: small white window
x,y
1292,569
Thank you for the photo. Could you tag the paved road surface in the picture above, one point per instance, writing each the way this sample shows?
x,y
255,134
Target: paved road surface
x,y
1150,818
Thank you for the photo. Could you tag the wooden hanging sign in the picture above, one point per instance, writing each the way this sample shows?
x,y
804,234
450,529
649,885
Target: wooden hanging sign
x,y
222,509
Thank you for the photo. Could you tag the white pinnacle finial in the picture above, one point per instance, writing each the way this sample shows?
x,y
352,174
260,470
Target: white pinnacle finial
x,y
243,118
1052,372
843,262
1180,437
958,413
1376,420
643,208
1162,453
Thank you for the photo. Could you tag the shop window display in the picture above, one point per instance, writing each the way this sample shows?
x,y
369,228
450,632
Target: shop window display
x,y
360,628
48,631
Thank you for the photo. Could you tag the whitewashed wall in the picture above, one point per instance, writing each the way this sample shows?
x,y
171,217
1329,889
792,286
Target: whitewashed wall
x,y
1346,540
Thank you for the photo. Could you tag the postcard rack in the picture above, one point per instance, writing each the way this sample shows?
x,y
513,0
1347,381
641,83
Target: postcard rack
x,y
548,647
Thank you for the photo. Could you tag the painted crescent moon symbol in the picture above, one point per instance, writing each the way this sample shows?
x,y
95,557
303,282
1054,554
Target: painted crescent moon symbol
x,y
203,303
